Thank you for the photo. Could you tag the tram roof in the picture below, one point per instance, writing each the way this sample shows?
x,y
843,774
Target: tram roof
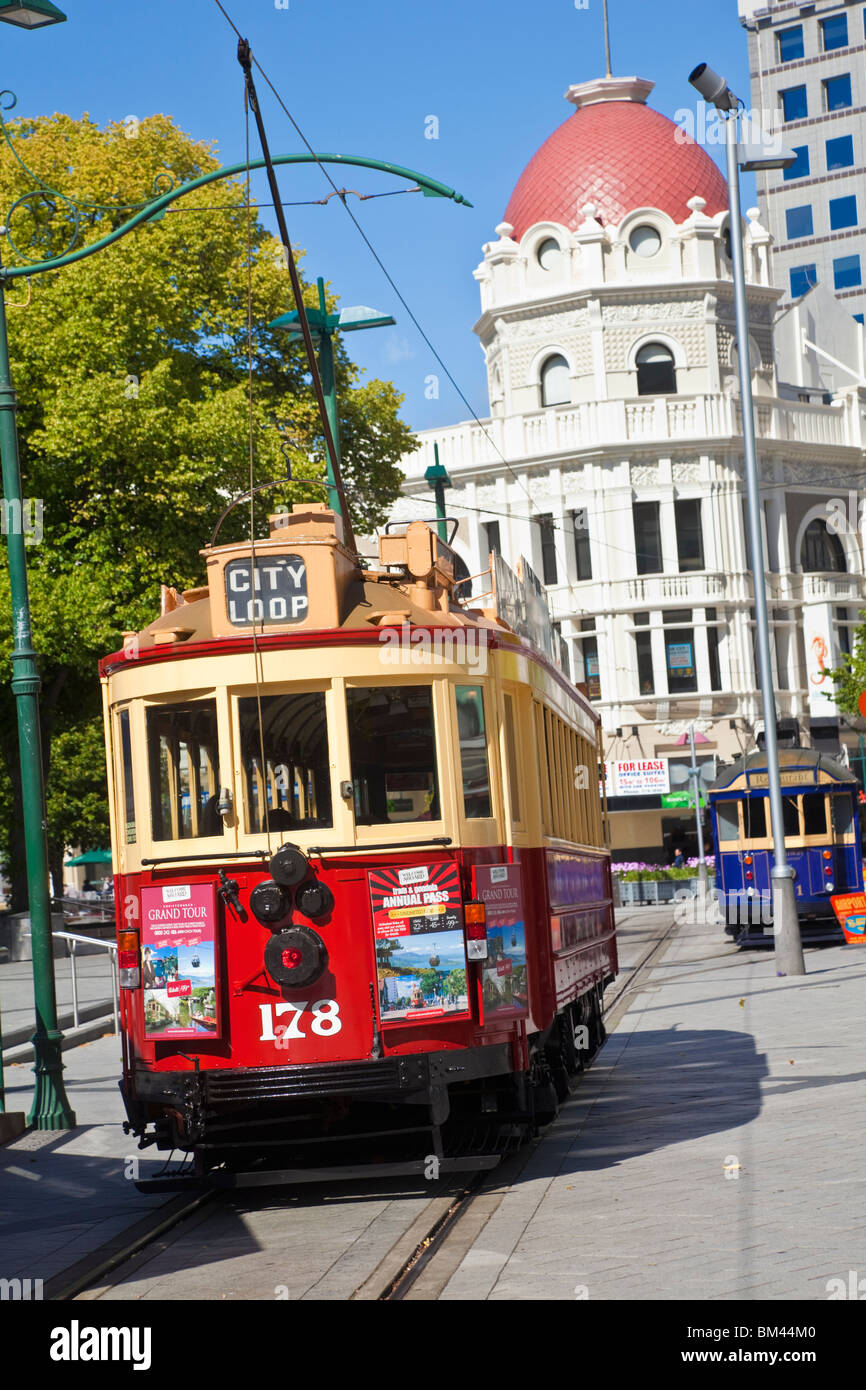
x,y
809,761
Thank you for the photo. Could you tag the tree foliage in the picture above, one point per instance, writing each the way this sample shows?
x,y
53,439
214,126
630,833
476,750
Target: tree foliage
x,y
139,417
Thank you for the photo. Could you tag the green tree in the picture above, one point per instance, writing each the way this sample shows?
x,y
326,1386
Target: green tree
x,y
849,679
429,981
135,420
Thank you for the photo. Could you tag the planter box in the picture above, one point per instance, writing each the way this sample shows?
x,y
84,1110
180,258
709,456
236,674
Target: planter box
x,y
653,891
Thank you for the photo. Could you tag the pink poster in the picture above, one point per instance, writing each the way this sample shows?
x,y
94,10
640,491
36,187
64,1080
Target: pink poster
x,y
178,940
500,888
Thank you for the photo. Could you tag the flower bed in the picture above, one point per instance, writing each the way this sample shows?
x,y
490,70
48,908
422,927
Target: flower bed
x,y
658,873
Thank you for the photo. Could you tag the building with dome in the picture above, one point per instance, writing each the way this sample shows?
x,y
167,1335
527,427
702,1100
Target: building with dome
x,y
612,457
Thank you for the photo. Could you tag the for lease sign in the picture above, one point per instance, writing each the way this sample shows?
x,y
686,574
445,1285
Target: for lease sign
x,y
642,777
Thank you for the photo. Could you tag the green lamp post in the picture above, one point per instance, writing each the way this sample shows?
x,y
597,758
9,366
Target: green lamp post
x,y
436,475
30,14
323,326
51,1109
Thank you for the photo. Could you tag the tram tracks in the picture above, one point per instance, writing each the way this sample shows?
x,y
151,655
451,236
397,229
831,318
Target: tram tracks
x,y
417,1264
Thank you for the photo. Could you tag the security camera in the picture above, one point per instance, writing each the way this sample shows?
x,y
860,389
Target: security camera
x,y
713,88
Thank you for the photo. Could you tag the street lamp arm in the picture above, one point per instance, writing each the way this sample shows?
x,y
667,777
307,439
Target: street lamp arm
x,y
431,188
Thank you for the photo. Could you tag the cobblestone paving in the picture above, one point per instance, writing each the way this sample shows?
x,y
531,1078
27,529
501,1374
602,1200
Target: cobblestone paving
x,y
714,1151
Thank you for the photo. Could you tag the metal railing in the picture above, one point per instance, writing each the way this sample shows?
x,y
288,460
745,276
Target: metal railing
x,y
73,941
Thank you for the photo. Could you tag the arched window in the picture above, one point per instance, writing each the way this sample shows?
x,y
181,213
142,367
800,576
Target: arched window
x,y
656,374
555,389
821,550
549,254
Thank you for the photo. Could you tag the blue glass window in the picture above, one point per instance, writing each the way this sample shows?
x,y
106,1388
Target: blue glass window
x,y
790,43
837,92
843,212
846,272
798,222
794,105
800,168
803,277
834,32
840,153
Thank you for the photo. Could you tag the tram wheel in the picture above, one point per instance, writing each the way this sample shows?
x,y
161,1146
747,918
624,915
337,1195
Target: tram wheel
x,y
545,1101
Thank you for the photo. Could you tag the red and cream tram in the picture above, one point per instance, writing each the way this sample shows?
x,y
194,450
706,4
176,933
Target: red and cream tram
x,y
364,900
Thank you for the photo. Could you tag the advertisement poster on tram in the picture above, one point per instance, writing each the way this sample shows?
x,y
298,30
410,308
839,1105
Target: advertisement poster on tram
x,y
500,888
178,960
420,949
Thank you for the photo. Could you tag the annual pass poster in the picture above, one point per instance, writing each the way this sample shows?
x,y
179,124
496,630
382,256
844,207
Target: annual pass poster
x,y
420,948
178,948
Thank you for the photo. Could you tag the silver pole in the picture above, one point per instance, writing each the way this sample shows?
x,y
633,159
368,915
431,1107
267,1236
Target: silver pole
x,y
115,989
694,774
786,928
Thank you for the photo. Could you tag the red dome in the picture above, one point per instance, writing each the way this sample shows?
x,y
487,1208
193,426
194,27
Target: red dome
x,y
619,155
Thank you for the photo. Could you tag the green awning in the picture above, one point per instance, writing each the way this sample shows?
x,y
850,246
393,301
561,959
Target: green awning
x,y
93,856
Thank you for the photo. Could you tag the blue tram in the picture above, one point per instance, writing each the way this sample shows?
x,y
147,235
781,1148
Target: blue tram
x,y
822,842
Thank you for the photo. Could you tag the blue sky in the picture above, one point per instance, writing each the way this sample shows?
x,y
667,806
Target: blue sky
x,y
362,78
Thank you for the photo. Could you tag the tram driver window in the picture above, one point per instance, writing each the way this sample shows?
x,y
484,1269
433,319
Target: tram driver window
x,y
392,743
755,818
814,815
183,758
842,813
294,781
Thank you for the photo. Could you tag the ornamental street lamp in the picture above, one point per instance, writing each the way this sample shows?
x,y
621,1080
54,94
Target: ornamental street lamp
x,y
51,1109
323,326
786,928
30,14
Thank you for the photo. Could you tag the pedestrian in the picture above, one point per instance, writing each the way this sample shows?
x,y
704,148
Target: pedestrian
x,y
679,861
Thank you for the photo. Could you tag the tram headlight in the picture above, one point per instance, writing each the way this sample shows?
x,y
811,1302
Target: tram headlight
x,y
295,957
270,903
288,866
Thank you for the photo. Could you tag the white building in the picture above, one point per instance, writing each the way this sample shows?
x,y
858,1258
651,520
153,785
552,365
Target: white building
x,y
613,456
806,65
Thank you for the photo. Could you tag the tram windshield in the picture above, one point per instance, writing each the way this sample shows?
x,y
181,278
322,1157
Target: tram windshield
x,y
183,757
392,743
285,761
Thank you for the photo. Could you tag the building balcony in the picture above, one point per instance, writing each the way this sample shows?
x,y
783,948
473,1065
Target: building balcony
x,y
568,429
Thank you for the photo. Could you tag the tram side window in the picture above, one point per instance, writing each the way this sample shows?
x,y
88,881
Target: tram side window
x,y
814,814
126,761
392,743
473,752
183,758
842,813
727,820
511,756
294,782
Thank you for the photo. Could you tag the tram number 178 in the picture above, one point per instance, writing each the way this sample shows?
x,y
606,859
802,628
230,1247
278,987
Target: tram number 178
x,y
325,1020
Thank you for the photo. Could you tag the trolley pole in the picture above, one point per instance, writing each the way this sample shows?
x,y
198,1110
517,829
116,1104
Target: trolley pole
x,y
51,1108
786,928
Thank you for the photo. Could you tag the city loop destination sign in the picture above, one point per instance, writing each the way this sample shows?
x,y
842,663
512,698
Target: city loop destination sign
x,y
272,591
